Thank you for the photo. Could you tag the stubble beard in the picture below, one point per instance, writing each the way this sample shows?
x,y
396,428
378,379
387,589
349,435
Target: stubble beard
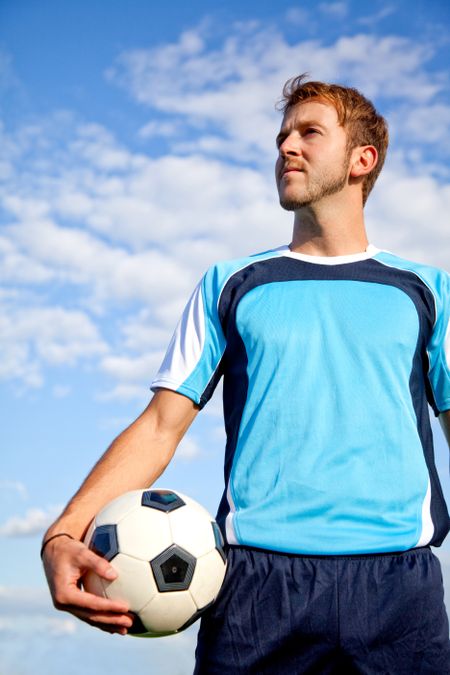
x,y
321,187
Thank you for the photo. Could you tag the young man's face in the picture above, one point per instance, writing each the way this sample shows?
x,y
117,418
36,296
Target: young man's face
x,y
314,146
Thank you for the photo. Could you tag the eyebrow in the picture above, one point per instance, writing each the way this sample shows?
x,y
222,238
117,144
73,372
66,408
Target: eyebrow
x,y
301,124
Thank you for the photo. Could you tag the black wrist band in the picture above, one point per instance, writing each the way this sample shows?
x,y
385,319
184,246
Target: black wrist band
x,y
61,534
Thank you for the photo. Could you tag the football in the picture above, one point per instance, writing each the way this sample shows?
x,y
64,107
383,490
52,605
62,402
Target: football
x,y
169,556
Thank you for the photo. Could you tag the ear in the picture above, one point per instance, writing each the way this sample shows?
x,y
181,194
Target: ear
x,y
364,159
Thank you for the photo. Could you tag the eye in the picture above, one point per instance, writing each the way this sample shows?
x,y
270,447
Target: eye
x,y
311,130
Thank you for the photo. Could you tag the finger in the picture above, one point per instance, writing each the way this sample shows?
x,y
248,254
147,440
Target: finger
x,y
107,629
119,631
74,597
105,618
98,565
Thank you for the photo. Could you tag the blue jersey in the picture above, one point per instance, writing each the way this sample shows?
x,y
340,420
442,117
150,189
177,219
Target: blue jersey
x,y
328,365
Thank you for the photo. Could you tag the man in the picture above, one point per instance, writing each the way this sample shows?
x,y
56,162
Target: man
x,y
331,350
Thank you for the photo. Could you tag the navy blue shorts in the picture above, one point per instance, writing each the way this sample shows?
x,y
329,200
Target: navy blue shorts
x,y
283,614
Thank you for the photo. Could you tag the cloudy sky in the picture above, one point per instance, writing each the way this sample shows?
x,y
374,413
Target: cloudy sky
x,y
137,148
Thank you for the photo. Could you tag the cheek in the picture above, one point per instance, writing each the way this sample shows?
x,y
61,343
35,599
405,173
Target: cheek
x,y
277,168
278,165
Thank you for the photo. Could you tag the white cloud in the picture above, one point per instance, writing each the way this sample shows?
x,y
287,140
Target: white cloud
x,y
61,390
125,392
55,640
298,16
372,19
33,337
140,333
15,486
407,214
234,87
24,609
8,77
74,256
35,521
336,10
125,368
159,203
188,449
423,124
159,129
19,268
23,598
98,146
51,627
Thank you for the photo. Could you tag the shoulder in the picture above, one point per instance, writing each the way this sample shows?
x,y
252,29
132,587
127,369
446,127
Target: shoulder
x,y
435,278
218,274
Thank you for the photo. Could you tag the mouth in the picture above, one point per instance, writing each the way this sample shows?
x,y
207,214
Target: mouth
x,y
290,171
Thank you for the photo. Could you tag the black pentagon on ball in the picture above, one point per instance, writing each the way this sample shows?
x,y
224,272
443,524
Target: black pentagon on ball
x,y
137,628
104,541
163,500
173,569
219,540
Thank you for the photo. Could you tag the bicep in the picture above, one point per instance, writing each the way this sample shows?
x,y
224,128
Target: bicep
x,y
170,414
444,419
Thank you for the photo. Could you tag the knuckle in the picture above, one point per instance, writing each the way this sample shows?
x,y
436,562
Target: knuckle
x,y
98,563
83,551
87,558
93,558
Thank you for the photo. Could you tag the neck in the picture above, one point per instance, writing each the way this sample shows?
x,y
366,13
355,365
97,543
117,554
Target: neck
x,y
328,228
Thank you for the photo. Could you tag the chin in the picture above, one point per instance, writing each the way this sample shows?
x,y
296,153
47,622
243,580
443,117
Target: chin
x,y
292,204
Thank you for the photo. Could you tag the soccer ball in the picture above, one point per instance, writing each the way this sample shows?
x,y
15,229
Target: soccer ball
x,y
168,553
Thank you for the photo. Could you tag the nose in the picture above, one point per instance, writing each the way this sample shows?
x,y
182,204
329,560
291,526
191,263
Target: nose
x,y
290,146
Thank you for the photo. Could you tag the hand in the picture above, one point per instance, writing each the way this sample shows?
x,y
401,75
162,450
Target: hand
x,y
65,562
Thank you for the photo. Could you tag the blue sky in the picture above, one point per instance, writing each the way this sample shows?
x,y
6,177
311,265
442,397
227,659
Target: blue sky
x,y
137,149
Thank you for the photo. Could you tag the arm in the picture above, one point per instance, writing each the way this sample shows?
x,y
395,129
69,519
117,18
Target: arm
x,y
444,419
134,460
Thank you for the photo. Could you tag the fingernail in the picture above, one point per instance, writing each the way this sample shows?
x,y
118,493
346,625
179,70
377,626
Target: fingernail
x,y
110,573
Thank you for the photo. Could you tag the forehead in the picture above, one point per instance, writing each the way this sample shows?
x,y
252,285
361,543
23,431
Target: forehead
x,y
311,111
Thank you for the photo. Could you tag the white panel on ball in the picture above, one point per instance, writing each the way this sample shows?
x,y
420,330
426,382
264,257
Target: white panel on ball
x,y
135,583
208,577
192,531
194,505
144,533
118,508
168,611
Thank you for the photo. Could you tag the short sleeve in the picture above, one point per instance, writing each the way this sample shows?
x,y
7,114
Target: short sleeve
x,y
191,365
439,349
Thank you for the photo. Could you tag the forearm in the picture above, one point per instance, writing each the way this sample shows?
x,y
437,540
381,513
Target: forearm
x,y
134,460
